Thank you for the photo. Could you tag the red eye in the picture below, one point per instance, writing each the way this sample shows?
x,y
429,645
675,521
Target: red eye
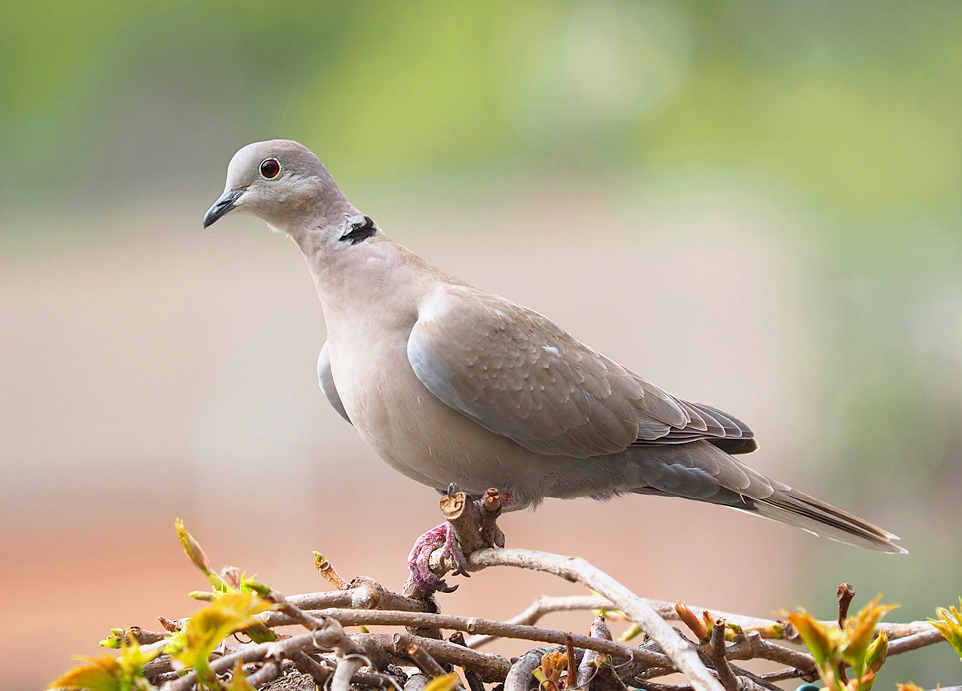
x,y
270,168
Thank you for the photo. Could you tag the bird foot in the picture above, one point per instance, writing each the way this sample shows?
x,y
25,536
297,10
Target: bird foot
x,y
439,537
470,525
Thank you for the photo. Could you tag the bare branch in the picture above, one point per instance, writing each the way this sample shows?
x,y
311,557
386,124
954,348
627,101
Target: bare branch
x,y
592,661
575,569
716,650
490,667
366,593
344,672
846,594
915,641
521,671
571,603
350,617
326,569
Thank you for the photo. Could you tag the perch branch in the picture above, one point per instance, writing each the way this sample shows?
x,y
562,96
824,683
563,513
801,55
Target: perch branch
x,y
577,570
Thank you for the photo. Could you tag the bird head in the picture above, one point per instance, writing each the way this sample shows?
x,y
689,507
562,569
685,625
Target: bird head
x,y
285,184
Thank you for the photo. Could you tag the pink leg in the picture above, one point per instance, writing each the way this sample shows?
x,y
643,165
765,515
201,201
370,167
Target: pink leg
x,y
443,536
419,558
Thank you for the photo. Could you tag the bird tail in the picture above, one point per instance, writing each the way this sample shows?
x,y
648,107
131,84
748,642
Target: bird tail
x,y
808,513
704,472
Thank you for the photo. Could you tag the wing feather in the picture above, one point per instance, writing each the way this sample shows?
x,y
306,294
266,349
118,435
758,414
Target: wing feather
x,y
518,374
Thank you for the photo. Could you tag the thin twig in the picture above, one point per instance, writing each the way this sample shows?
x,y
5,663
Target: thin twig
x,y
344,672
915,641
267,673
570,603
308,665
470,676
570,659
366,593
351,617
326,569
490,667
424,660
846,593
593,661
519,676
716,651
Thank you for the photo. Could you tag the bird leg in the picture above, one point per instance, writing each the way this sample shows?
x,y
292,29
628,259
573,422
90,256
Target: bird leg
x,y
419,559
470,526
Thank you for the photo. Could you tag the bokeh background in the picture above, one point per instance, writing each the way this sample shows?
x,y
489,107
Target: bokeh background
x,y
755,204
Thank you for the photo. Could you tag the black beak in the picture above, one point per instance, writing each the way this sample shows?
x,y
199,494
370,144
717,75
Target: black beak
x,y
221,206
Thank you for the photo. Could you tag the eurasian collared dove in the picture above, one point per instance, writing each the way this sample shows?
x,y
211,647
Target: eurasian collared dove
x,y
451,384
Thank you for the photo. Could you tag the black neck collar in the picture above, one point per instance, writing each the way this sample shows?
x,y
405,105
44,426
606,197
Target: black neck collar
x,y
359,231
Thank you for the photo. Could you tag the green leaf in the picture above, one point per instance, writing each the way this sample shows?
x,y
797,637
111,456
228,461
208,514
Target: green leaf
x,y
109,673
114,641
821,640
238,680
205,630
859,633
446,682
197,555
949,625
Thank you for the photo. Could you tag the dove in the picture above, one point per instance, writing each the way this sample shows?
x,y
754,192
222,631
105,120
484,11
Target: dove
x,y
450,384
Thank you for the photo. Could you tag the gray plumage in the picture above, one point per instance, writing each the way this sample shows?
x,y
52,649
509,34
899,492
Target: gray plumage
x,y
450,383
326,380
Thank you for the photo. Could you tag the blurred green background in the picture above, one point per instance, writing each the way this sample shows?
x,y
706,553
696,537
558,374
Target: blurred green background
x,y
752,203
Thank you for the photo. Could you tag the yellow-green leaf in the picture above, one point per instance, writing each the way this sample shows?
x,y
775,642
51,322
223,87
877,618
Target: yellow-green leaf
x,y
99,674
206,629
949,625
631,632
238,680
859,633
877,652
197,555
114,641
109,673
446,682
821,640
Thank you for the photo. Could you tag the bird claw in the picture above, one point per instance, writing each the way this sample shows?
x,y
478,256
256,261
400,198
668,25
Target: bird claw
x,y
445,538
441,536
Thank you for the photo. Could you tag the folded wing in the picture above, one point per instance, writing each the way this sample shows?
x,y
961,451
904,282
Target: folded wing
x,y
516,373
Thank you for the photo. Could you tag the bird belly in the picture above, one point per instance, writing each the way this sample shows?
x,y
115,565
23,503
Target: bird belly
x,y
420,436
428,441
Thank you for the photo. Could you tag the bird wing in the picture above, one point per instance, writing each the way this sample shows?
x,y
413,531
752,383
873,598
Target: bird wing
x,y
326,379
516,373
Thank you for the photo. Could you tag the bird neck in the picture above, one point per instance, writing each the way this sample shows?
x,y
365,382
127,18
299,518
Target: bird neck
x,y
358,270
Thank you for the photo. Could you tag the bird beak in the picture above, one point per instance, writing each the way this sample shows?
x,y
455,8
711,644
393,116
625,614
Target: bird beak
x,y
221,206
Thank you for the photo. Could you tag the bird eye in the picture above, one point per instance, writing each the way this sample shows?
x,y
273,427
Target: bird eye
x,y
270,168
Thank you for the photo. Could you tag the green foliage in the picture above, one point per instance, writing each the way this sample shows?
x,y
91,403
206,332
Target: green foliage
x,y
552,674
860,113
115,640
238,680
233,581
193,645
446,682
703,626
198,556
233,602
949,625
855,645
109,673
